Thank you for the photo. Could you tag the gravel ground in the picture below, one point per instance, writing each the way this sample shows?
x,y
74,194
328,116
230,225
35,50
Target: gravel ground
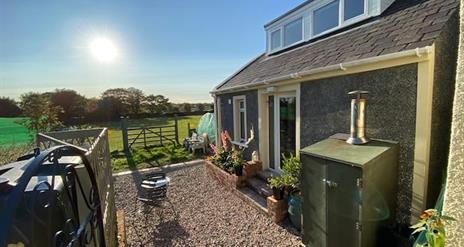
x,y
197,212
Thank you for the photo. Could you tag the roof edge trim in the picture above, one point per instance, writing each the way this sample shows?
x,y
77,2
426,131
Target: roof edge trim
x,y
238,71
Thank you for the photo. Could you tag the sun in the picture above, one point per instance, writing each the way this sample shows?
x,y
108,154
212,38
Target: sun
x,y
103,49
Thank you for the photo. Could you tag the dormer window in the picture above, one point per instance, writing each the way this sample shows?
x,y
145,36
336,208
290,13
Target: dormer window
x,y
326,17
293,32
317,18
353,8
275,39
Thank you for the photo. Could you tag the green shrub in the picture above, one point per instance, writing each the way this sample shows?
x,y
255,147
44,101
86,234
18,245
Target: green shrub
x,y
291,169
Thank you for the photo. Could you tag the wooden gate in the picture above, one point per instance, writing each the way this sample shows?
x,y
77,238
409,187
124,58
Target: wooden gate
x,y
149,135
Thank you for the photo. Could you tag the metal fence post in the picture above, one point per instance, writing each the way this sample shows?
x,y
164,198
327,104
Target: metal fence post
x,y
144,138
176,127
125,140
161,136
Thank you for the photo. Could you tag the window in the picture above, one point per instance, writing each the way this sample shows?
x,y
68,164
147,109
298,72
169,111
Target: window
x,y
326,17
240,130
317,18
293,32
353,8
275,39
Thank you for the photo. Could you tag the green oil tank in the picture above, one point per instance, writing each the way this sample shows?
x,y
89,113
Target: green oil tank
x,y
348,191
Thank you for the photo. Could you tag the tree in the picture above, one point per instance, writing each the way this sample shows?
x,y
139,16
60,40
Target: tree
x,y
9,107
114,103
186,107
72,103
157,104
200,107
135,98
41,115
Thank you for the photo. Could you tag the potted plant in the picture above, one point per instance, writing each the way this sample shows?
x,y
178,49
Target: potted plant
x,y
431,223
291,168
237,162
277,184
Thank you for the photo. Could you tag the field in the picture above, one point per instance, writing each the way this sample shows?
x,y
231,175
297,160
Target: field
x,y
12,133
15,140
115,133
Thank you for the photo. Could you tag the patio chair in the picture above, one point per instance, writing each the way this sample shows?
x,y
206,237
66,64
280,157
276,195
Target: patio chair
x,y
154,187
201,143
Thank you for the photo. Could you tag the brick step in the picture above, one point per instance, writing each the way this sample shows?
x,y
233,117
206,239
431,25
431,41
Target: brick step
x,y
254,199
259,186
265,174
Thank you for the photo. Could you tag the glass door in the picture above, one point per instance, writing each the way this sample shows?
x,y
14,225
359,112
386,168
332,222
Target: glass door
x,y
285,128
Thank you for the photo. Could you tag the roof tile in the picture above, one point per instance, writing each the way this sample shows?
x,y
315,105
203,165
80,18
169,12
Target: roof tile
x,y
406,24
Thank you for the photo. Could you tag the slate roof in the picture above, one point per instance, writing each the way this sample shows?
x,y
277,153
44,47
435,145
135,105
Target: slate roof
x,y
405,25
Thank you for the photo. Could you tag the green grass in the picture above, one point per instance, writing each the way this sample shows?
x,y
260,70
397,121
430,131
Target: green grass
x,y
14,136
115,134
140,158
12,133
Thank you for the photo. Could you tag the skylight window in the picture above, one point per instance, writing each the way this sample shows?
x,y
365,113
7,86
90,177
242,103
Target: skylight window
x,y
326,17
293,32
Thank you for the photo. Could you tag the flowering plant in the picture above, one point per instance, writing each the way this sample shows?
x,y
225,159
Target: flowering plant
x,y
432,223
229,156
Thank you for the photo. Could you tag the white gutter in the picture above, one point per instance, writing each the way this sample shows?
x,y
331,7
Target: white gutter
x,y
418,52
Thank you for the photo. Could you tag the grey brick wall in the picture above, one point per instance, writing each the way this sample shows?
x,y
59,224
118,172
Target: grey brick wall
x,y
390,115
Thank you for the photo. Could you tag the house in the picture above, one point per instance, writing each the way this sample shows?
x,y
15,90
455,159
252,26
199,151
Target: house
x,y
293,95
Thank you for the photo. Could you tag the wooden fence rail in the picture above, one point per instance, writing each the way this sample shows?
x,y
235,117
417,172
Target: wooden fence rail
x,y
149,135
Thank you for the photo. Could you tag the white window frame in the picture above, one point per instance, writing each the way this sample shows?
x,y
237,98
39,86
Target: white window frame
x,y
270,39
307,15
237,110
283,32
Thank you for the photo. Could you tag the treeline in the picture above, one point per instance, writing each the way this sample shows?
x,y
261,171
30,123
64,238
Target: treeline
x,y
49,110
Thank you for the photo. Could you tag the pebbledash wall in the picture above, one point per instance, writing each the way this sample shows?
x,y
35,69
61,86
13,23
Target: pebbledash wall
x,y
390,115
227,117
446,47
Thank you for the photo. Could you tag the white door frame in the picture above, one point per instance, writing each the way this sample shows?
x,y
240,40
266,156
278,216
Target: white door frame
x,y
263,118
277,153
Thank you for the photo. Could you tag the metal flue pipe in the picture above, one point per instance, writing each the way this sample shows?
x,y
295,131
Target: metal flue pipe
x,y
358,122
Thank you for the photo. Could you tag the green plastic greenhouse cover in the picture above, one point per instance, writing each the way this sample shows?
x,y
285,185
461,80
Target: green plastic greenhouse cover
x,y
207,125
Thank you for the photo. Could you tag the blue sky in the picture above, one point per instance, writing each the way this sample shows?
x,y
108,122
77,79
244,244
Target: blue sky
x,y
180,49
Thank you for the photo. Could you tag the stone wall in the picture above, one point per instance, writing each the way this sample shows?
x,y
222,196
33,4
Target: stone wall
x,y
390,115
227,117
454,195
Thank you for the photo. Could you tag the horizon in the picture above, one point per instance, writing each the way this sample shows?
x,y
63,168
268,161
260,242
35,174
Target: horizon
x,y
90,47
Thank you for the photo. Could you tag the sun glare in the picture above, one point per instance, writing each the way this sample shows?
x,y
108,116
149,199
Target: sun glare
x,y
103,50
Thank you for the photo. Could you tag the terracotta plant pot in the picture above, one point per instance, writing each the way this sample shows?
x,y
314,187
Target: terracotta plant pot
x,y
278,193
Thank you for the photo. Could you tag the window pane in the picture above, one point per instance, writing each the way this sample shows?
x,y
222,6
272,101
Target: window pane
x,y
293,32
275,40
326,17
242,105
242,126
353,8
